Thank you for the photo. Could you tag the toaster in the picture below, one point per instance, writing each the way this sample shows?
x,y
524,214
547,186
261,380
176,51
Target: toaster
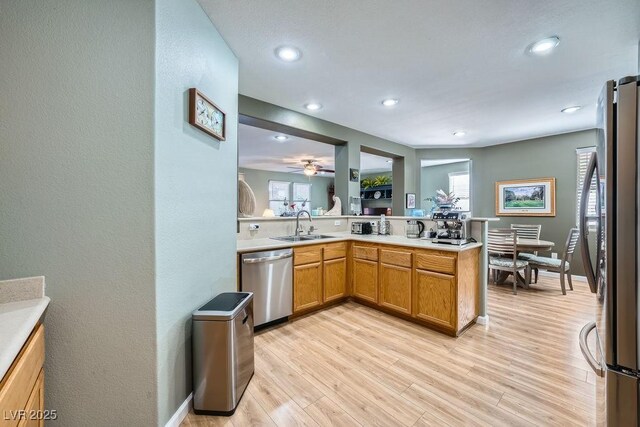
x,y
361,228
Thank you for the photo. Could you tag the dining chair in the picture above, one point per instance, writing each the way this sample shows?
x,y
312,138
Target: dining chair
x,y
528,231
562,265
503,255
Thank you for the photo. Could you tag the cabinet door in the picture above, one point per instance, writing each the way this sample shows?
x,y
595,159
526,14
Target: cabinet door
x,y
307,286
365,280
434,298
395,287
335,279
35,405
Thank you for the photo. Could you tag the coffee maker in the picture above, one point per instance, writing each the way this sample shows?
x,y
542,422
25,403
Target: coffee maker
x,y
452,228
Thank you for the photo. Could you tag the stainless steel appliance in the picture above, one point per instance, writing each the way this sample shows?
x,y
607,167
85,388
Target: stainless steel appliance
x,y
451,228
269,275
610,254
361,228
222,352
413,229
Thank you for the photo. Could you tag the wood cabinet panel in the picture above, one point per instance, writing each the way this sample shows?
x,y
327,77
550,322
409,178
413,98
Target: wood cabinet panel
x,y
395,288
307,254
435,298
35,405
365,279
435,261
400,258
307,286
335,279
365,252
16,387
335,250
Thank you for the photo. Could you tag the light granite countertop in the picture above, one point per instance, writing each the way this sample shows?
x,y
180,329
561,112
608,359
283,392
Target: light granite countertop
x,y
22,304
270,244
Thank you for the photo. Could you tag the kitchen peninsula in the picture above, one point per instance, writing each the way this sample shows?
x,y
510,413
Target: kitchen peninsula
x,y
439,286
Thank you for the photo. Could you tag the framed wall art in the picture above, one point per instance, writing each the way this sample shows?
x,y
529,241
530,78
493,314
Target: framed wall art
x,y
526,197
206,115
411,200
354,175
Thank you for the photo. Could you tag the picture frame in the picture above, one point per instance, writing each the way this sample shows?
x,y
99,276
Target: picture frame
x,y
205,115
354,175
526,197
410,200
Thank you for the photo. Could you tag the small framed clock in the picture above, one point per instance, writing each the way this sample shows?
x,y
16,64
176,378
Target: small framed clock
x,y
206,115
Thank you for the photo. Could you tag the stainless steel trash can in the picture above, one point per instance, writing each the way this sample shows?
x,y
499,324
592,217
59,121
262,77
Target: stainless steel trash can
x,y
222,346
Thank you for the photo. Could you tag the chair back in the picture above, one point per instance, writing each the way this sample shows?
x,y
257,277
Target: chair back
x,y
502,241
527,231
572,241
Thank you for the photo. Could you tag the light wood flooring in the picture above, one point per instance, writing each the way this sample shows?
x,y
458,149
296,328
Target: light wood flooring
x,y
351,365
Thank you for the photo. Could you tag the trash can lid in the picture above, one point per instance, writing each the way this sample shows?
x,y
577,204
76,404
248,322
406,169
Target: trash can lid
x,y
225,306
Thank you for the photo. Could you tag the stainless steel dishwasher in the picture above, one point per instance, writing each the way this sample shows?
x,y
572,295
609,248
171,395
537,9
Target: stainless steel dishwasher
x,y
269,275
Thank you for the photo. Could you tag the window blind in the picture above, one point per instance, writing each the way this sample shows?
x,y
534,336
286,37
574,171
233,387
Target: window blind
x,y
459,185
583,158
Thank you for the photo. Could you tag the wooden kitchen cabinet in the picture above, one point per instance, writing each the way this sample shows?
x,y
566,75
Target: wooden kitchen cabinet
x,y
434,298
335,279
307,286
395,288
365,279
22,388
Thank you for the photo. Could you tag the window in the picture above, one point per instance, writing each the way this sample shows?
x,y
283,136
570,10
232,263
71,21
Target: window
x,y
583,157
459,185
282,195
278,196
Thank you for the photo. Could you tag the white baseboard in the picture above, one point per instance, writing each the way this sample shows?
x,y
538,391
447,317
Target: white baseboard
x,y
181,413
482,320
553,274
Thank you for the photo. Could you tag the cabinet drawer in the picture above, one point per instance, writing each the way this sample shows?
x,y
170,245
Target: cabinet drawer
x,y
335,250
307,255
19,381
365,252
401,259
440,263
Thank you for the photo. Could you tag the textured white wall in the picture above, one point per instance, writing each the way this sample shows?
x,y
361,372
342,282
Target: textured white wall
x,y
196,187
76,196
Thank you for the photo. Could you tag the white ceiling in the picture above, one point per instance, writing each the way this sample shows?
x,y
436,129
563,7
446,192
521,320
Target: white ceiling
x,y
258,149
427,163
453,64
370,163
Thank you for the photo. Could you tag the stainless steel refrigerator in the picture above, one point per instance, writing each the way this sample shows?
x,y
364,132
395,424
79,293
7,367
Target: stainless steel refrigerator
x,y
611,253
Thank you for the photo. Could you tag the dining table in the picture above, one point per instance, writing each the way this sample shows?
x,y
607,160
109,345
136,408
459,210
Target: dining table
x,y
526,245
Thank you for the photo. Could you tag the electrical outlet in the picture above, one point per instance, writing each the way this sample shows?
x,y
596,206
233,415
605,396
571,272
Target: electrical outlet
x,y
254,227
337,222
554,255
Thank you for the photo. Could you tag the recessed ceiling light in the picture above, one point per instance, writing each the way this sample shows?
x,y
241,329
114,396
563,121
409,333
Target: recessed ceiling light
x,y
288,53
544,46
571,109
390,102
313,106
281,138
459,133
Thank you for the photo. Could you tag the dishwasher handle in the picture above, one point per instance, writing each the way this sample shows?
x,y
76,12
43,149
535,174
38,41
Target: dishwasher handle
x,y
266,258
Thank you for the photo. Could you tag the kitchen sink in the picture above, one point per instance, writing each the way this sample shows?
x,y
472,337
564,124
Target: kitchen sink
x,y
302,238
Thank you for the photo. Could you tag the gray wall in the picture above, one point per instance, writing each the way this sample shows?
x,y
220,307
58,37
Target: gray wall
x,y
76,197
196,187
553,156
347,156
434,178
258,180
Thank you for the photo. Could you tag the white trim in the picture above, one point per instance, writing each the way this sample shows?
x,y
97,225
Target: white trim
x,y
482,320
181,413
554,274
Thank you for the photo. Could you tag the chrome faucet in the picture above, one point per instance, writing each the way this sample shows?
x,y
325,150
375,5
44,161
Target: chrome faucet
x,y
298,220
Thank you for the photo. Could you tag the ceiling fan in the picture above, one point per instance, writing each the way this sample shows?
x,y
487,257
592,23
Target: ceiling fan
x,y
310,167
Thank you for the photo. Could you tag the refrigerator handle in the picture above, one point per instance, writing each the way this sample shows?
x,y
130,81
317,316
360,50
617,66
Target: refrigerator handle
x,y
586,352
590,271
